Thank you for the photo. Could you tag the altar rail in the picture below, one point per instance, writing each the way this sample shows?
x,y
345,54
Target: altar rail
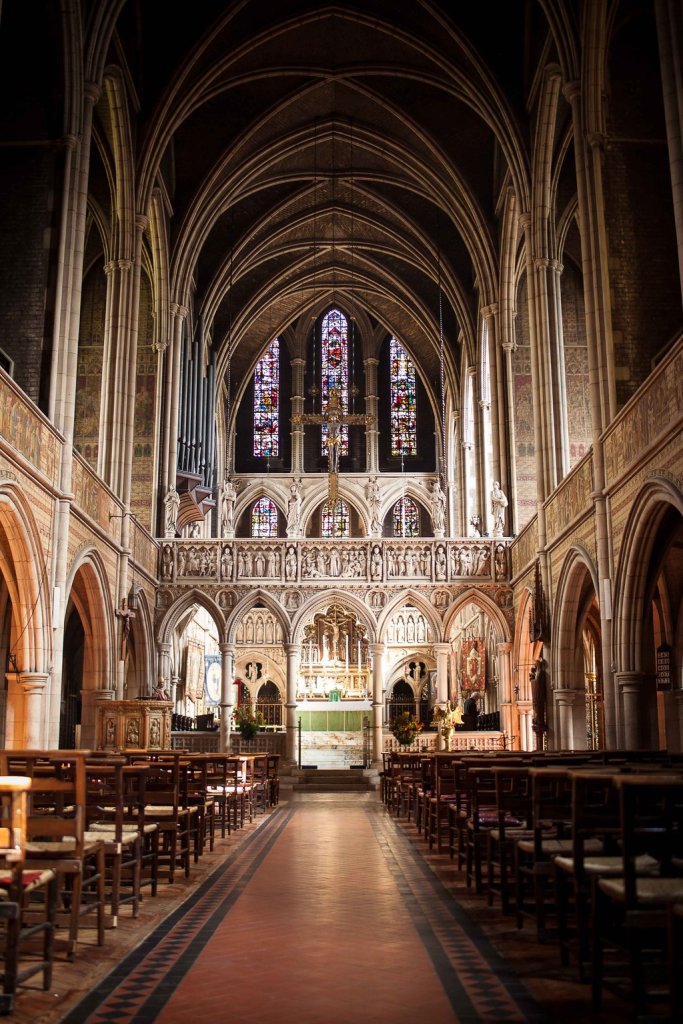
x,y
253,560
197,742
464,741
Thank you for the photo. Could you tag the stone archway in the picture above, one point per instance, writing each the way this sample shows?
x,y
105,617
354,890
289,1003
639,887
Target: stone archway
x,y
648,619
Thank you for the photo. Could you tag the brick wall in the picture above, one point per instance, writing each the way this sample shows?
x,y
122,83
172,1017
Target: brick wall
x,y
575,364
142,484
26,201
89,371
525,452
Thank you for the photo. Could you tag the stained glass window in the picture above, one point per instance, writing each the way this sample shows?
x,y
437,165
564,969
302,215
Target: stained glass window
x,y
334,360
406,518
335,521
264,518
403,404
267,403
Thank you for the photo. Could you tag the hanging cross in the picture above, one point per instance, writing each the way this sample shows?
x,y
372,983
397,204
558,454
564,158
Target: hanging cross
x,y
334,419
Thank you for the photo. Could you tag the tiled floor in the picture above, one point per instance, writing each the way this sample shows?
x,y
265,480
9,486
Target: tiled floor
x,y
328,913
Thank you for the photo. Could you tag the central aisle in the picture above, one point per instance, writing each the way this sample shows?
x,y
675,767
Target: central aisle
x,y
325,915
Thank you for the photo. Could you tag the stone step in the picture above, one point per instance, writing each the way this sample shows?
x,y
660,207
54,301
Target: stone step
x,y
334,780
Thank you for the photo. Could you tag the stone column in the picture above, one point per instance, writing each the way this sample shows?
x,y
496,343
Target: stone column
x,y
371,407
29,732
599,337
292,652
441,653
170,440
631,685
298,367
227,674
164,665
507,717
377,653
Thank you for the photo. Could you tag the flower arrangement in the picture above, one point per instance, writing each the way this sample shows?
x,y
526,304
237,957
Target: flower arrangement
x,y
405,727
247,722
446,718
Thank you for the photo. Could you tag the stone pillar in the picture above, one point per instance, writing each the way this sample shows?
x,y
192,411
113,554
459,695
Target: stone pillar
x,y
633,718
496,400
507,717
28,733
571,719
377,653
371,407
227,674
298,367
293,654
164,665
441,653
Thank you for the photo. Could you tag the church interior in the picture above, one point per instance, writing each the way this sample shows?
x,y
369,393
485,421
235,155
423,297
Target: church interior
x,y
340,449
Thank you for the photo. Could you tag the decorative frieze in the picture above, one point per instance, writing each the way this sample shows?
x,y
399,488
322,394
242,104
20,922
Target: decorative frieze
x,y
347,561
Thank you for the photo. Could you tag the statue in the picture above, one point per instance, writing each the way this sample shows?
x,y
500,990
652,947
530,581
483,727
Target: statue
x,y
498,505
171,506
372,494
290,563
294,509
438,508
376,563
228,496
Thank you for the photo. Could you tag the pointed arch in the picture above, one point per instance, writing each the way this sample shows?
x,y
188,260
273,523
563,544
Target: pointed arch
x,y
487,605
321,601
635,576
418,601
181,606
257,597
24,566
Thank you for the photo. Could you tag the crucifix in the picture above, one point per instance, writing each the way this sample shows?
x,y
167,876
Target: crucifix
x,y
334,419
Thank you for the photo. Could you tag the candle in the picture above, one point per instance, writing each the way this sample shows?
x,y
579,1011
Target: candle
x,y
347,652
359,655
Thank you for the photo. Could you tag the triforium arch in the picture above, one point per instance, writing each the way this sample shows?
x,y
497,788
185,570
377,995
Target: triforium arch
x,y
416,600
87,619
25,621
257,598
647,610
486,605
577,717
183,604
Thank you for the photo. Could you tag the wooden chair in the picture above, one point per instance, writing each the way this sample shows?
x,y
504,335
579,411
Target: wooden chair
x,y
439,800
513,813
163,808
631,913
273,774
107,819
56,837
551,816
19,889
675,962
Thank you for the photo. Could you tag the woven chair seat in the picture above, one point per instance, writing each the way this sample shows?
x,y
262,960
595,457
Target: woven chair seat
x,y
650,892
607,866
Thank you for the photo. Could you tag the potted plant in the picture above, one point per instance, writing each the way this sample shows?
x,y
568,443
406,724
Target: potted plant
x,y
247,722
405,728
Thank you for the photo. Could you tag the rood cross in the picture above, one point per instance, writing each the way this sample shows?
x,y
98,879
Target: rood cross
x,y
334,418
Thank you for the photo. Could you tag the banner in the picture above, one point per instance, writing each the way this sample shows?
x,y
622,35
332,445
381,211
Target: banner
x,y
212,679
194,671
473,662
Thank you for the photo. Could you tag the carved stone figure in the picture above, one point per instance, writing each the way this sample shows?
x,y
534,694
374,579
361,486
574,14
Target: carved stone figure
x,y
440,563
228,496
372,494
294,509
438,509
167,562
171,506
226,563
498,505
376,563
290,563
